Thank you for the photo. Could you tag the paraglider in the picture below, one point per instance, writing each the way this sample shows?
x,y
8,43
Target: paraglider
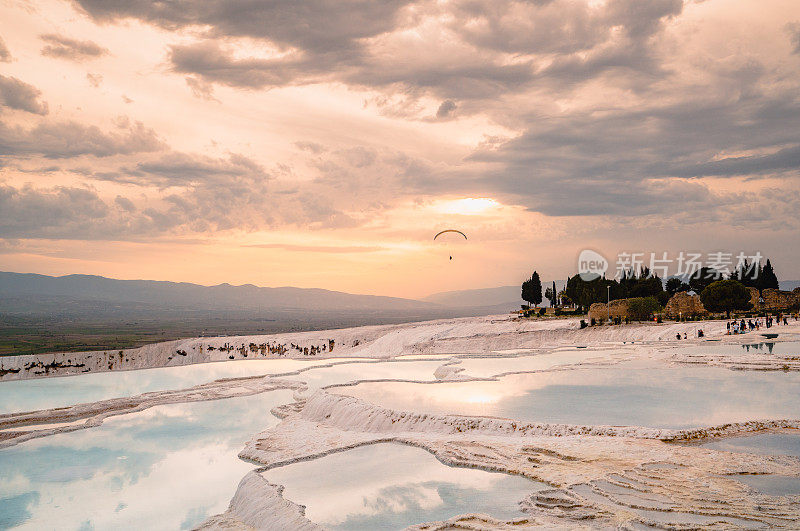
x,y
450,230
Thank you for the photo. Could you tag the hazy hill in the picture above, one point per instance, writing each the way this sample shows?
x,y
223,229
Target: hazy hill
x,y
20,290
506,297
789,285
40,313
503,295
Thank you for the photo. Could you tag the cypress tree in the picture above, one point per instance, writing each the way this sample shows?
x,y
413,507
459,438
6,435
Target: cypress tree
x,y
767,278
532,290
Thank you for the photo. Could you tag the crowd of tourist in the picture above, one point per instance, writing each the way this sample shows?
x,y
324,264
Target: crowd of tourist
x,y
742,326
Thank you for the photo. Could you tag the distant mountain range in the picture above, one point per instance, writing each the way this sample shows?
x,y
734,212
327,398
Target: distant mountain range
x,y
33,293
40,313
185,296
88,294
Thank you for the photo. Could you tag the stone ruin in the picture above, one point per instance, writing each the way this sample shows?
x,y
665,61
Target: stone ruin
x,y
599,310
684,305
774,299
777,300
754,296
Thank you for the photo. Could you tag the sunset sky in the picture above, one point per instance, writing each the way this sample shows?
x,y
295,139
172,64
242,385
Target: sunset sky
x,y
323,143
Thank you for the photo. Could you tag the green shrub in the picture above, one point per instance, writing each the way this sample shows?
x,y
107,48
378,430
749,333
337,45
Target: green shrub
x,y
726,296
641,308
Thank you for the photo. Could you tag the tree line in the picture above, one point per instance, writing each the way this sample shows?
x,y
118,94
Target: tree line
x,y
729,293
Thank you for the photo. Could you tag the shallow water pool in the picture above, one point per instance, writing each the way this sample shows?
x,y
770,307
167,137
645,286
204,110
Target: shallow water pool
x,y
759,344
772,485
633,394
784,443
392,486
489,366
374,370
762,443
45,393
168,467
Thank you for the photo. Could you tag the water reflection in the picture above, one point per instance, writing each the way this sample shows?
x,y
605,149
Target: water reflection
x,y
762,443
391,486
486,367
380,370
29,395
625,394
780,348
766,346
772,485
168,467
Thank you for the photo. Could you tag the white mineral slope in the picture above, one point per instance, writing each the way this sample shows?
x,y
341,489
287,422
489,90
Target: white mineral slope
x,y
600,476
480,335
258,504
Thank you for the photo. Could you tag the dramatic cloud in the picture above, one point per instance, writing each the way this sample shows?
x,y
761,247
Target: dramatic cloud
x,y
61,140
60,212
181,169
622,162
446,109
346,127
63,47
792,28
216,64
458,50
750,165
314,25
201,89
5,55
125,204
17,94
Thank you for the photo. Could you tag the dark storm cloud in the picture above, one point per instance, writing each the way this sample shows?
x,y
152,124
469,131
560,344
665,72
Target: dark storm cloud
x,y
5,55
63,140
63,47
794,34
182,169
446,109
125,204
673,115
351,42
472,78
201,89
316,25
59,212
561,27
16,94
65,212
635,162
216,64
782,160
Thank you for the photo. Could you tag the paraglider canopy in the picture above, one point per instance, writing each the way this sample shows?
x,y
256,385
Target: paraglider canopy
x,y
453,231
450,230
